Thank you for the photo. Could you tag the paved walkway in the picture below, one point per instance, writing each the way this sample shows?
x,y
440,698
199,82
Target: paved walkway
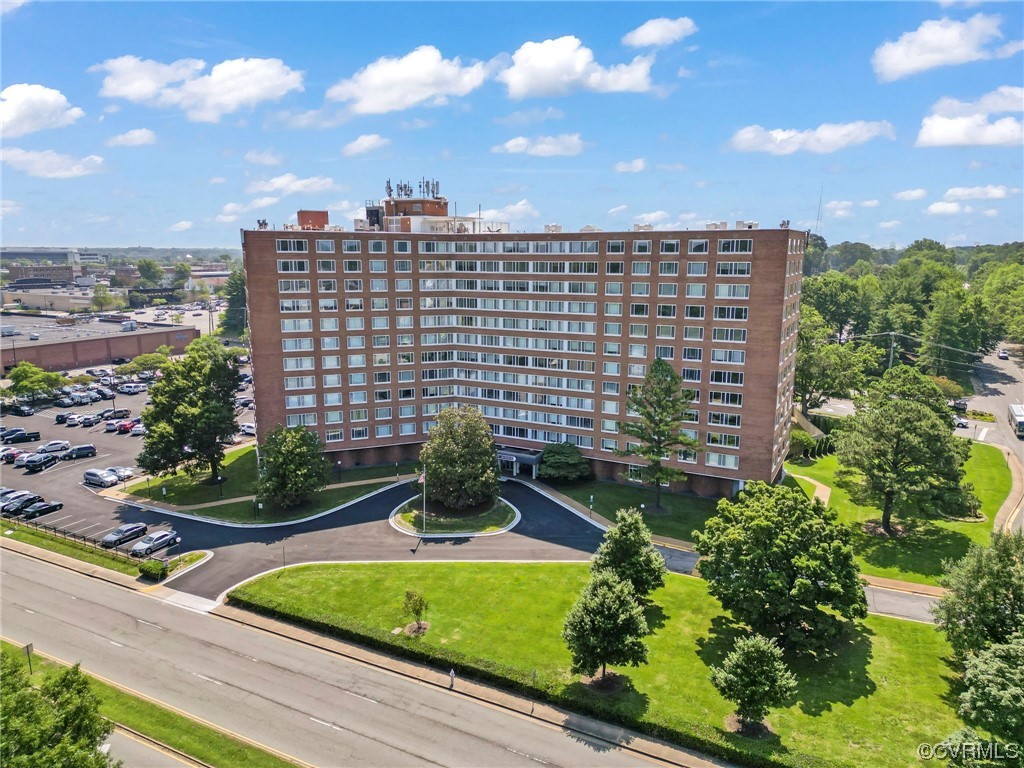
x,y
821,491
1014,504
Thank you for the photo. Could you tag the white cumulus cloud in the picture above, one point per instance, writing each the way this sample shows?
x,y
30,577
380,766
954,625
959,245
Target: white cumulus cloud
x,y
26,108
368,142
290,184
138,137
263,158
564,145
940,43
230,86
617,210
891,224
556,67
955,123
841,209
990,212
48,164
869,203
911,194
218,180
181,226
8,208
515,212
988,192
943,209
631,166
530,116
230,211
651,217
8,6
826,138
422,76
660,32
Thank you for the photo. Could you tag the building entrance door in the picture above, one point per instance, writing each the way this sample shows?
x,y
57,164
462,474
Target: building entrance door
x,y
508,466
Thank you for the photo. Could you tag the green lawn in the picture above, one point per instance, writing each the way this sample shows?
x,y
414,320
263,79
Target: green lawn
x,y
884,690
73,549
182,733
916,557
493,519
245,511
680,516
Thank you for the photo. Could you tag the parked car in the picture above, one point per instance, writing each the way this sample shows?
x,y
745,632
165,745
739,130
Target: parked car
x,y
960,406
151,542
65,402
123,533
61,418
131,389
125,360
243,402
6,492
20,437
78,452
12,455
123,473
99,477
54,446
139,430
959,422
105,394
110,426
41,508
73,420
124,427
247,429
146,375
15,505
40,461
12,432
121,413
3,452
89,420
1002,354
17,409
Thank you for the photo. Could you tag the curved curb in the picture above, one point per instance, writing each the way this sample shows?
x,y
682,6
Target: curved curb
x,y
208,556
256,526
408,532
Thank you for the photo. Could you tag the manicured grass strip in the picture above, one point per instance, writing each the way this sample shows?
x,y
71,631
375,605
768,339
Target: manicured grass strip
x,y
239,471
73,549
916,557
372,473
246,512
183,733
180,563
501,622
798,482
678,518
493,519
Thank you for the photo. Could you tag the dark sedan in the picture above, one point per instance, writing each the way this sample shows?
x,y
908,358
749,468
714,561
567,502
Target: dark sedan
x,y
121,534
19,504
41,508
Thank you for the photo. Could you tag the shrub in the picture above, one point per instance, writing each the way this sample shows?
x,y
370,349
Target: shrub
x,y
800,443
153,569
563,461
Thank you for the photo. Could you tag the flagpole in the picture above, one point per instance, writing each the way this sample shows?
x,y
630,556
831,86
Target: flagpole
x,y
424,501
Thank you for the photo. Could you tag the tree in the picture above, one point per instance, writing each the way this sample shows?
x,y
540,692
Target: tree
x,y
835,296
901,440
1003,294
815,260
661,405
459,459
57,724
984,600
29,379
415,605
994,699
563,462
148,361
102,297
800,443
825,369
782,564
136,300
193,409
628,552
605,626
150,271
236,316
182,273
754,677
293,467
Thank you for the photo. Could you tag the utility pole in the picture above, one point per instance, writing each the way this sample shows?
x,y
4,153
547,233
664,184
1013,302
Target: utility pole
x,y
892,346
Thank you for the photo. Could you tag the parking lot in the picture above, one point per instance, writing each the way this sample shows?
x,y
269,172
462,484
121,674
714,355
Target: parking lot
x,y
84,512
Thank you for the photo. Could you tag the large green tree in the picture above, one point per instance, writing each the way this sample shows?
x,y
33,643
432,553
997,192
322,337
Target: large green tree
x,y
835,296
182,272
815,260
57,724
193,409
1003,294
292,467
150,270
148,361
984,600
236,316
102,298
754,676
563,462
459,459
627,550
994,695
824,368
661,406
901,440
782,564
29,379
605,626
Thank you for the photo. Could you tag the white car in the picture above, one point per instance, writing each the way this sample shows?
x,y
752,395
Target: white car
x,y
54,446
138,430
73,420
247,429
111,426
123,473
20,460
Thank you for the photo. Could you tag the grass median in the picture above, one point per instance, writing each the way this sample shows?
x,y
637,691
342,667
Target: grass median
x,y
493,518
502,622
917,556
175,730
247,512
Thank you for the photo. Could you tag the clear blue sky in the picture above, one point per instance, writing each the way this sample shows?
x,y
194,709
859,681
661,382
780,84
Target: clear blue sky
x,y
175,124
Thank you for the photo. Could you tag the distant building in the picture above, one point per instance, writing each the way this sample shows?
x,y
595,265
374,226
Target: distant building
x,y
57,273
56,256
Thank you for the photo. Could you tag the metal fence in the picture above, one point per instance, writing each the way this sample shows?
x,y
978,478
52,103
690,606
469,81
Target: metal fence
x,y
70,536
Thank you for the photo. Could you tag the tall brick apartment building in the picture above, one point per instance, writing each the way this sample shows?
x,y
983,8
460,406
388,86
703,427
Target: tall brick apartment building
x,y
365,335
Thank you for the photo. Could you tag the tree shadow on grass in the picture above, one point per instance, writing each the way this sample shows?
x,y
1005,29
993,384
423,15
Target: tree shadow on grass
x,y
624,702
656,617
952,675
921,549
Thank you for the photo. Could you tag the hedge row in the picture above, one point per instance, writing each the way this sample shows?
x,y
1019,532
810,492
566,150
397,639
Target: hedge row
x,y
693,735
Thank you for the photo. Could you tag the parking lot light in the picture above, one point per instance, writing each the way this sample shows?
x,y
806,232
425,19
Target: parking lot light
x,y
220,485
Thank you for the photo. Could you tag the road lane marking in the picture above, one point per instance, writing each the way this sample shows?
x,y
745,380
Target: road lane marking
x,y
27,610
364,698
68,526
531,757
86,528
984,432
149,623
250,658
57,520
208,679
114,642
321,722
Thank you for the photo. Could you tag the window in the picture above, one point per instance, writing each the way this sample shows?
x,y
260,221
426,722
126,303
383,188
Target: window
x,y
292,265
293,246
296,326
613,289
612,348
697,269
332,380
641,267
325,265
733,268
724,460
330,361
356,342
353,285
731,378
666,310
670,246
641,246
638,330
382,377
697,246
664,353
299,382
357,361
610,406
668,290
354,323
378,246
334,435
296,305
609,388
298,363
381,358
329,323
403,246
611,369
333,417
300,401
636,370
734,356
693,353
351,246
612,308
733,291
724,439
609,444
407,428
694,312
360,433
735,246
381,395
640,289
638,310
737,335
732,399
402,265
693,333
379,323
383,430
330,342
327,286
378,286
333,398
328,305
325,246
616,246
301,420
296,345
730,313
613,329
696,290
293,286
353,265
665,331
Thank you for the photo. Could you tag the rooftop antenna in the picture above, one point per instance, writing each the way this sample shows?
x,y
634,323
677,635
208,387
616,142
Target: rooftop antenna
x,y
817,223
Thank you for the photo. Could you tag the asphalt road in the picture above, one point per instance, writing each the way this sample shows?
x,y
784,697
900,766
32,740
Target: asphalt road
x,y
139,754
313,705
